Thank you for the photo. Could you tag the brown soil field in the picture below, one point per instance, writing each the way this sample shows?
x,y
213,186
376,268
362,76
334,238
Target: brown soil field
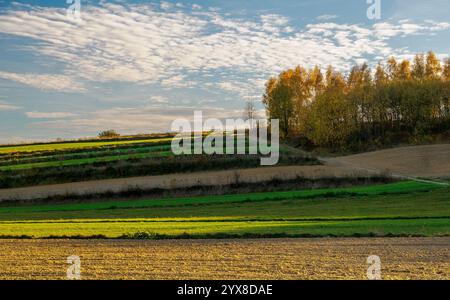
x,y
429,161
333,258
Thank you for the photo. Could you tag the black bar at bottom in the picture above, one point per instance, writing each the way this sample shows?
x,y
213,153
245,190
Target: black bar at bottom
x,y
223,289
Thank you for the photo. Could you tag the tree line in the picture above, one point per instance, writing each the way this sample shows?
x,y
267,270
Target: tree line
x,y
398,101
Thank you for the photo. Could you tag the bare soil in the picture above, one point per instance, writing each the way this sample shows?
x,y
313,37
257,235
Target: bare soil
x,y
430,161
336,258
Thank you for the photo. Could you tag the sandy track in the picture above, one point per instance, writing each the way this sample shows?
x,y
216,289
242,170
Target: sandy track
x,y
337,258
212,178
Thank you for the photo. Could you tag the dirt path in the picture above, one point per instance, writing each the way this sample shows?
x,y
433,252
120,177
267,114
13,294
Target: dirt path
x,y
336,258
212,178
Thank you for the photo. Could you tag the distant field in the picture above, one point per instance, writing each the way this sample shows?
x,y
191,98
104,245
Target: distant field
x,y
22,158
56,155
75,145
91,158
405,208
83,161
30,165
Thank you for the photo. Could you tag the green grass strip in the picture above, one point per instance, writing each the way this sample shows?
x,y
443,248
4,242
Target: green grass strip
x,y
384,189
84,161
101,152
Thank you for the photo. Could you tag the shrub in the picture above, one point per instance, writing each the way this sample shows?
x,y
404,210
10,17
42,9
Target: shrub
x,y
108,134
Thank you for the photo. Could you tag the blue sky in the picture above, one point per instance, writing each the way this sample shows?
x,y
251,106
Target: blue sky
x,y
135,66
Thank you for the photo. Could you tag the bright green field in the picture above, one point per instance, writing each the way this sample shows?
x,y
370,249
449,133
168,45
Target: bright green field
x,y
79,145
404,187
404,208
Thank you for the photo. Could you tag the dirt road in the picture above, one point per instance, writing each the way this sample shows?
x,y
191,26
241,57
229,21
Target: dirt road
x,y
336,258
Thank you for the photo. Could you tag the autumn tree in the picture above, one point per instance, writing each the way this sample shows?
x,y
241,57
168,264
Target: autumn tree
x,y
316,81
433,66
404,70
329,121
381,78
398,101
418,69
392,68
446,70
278,101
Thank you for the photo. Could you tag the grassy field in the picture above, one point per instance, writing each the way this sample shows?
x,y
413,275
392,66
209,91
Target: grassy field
x,y
83,161
52,163
398,209
94,157
404,187
23,158
189,228
404,208
75,145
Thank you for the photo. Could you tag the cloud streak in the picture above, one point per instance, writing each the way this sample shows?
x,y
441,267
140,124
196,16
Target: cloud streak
x,y
8,107
149,118
49,115
48,82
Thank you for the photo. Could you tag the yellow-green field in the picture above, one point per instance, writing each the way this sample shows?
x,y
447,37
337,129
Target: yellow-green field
x,y
75,145
179,227
396,209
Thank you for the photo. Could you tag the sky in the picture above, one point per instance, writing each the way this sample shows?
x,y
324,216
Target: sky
x,y
135,66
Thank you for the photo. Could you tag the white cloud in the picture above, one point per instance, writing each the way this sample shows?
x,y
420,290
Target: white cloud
x,y
7,107
241,87
274,19
326,17
385,30
177,81
50,82
49,115
166,5
135,43
159,99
